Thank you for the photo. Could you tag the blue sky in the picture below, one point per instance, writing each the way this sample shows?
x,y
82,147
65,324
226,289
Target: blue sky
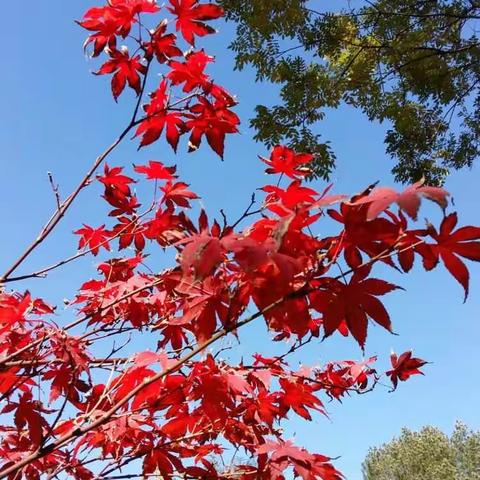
x,y
58,117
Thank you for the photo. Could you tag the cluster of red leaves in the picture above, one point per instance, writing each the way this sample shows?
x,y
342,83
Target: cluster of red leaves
x,y
176,413
173,412
206,110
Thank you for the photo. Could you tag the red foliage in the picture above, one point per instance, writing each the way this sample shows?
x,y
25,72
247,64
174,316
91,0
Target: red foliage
x,y
404,367
449,245
126,69
93,238
191,16
175,408
284,161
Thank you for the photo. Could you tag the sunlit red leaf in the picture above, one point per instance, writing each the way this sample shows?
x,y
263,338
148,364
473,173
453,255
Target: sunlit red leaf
x,y
125,70
404,367
93,238
450,245
191,15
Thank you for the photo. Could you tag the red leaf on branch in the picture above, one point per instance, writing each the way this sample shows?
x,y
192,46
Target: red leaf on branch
x,y
158,119
201,255
126,69
293,197
205,306
134,7
114,180
162,45
156,171
13,309
409,200
299,397
191,16
115,19
93,238
177,193
130,231
103,22
450,246
353,303
191,72
29,414
284,454
214,121
285,161
404,367
370,237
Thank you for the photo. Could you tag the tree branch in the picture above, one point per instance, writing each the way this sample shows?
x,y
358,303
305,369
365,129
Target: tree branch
x,y
66,204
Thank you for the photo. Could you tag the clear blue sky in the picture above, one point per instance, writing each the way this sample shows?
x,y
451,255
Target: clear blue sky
x,y
57,117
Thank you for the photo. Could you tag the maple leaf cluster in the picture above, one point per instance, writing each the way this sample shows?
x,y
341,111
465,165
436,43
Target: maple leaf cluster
x,y
182,406
176,413
205,108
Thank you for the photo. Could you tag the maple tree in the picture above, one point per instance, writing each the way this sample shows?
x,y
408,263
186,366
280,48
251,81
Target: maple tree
x,y
174,411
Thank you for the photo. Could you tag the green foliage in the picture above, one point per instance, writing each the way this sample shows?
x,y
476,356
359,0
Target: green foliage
x,y
426,455
414,63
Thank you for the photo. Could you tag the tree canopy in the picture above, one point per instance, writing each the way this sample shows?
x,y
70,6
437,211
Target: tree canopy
x,y
414,65
428,454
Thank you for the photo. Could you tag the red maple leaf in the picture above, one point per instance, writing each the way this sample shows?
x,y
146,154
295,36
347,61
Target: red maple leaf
x,y
294,196
14,308
339,378
204,307
177,193
162,45
93,238
11,379
450,246
214,121
191,16
159,118
299,397
285,161
161,461
191,72
201,255
117,191
371,237
29,414
404,367
352,304
103,22
135,6
306,465
114,19
125,70
129,231
409,200
115,180
166,228
156,171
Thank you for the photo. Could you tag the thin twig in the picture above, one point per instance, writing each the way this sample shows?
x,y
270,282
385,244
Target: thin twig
x,y
66,204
